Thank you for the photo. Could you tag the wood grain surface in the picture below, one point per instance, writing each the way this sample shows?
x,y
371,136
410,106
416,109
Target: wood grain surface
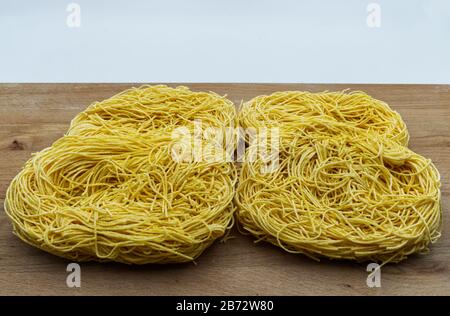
x,y
32,116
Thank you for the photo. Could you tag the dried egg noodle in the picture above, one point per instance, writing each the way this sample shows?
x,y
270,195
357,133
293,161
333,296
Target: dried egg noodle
x,y
347,187
110,190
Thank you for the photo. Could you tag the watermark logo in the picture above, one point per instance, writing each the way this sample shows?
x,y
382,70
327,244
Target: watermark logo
x,y
73,279
73,19
374,277
212,144
373,19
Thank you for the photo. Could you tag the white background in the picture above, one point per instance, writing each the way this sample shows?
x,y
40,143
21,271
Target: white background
x,y
225,41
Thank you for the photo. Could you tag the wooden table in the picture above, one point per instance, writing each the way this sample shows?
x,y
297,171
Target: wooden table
x,y
32,116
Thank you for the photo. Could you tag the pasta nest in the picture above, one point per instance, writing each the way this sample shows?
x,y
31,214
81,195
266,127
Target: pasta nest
x,y
346,186
110,189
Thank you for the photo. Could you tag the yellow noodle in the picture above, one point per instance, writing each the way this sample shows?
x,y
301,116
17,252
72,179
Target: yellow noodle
x,y
110,190
346,187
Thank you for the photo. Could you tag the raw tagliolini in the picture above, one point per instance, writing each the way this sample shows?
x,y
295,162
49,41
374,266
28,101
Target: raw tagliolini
x,y
346,186
111,190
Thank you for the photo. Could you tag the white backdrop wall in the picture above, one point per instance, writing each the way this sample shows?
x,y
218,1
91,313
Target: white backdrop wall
x,y
347,41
